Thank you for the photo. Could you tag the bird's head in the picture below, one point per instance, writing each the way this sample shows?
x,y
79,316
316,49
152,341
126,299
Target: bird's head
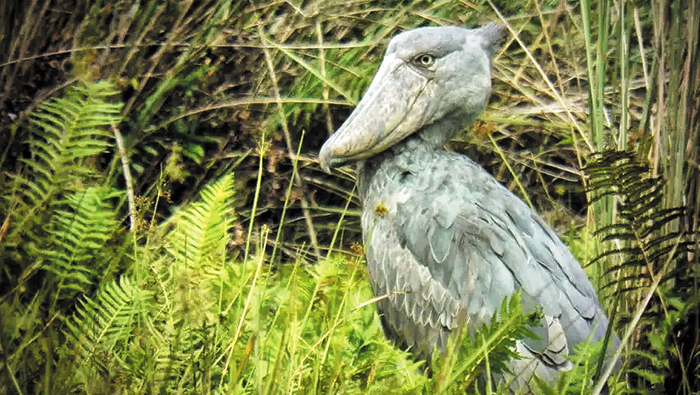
x,y
427,74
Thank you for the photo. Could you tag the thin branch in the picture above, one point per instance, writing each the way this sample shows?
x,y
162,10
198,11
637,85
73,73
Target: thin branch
x,y
290,149
127,176
326,90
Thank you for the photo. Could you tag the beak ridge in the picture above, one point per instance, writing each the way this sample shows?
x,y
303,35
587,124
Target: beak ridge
x,y
393,107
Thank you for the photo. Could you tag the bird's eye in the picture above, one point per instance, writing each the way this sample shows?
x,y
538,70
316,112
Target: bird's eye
x,y
425,60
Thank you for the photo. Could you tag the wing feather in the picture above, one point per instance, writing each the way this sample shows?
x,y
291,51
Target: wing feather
x,y
456,243
416,310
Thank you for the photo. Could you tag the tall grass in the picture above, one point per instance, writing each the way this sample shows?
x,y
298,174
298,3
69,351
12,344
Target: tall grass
x,y
640,101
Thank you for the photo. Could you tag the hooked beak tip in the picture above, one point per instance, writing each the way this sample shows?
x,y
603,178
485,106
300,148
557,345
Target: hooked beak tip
x,y
324,158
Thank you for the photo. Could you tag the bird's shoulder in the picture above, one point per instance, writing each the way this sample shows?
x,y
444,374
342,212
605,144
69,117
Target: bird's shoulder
x,y
478,239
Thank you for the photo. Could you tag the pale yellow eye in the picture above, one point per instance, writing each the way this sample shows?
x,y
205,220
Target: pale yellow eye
x,y
425,60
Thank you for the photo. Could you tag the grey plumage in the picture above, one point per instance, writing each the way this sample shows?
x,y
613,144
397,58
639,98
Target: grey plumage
x,y
442,237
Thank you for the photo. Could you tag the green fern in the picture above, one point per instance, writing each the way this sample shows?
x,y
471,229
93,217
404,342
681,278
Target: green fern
x,y
645,236
60,235
68,133
197,247
487,351
104,322
101,335
191,279
203,225
146,334
646,242
79,234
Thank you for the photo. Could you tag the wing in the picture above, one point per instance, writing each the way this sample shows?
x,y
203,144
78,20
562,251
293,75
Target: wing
x,y
417,311
482,242
458,233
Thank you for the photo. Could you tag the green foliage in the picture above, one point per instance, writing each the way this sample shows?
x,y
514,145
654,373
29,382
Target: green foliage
x,y
99,333
79,234
203,225
647,246
59,236
59,214
68,134
485,352
645,237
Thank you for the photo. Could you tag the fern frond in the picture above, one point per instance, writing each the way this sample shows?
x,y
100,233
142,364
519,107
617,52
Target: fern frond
x,y
103,324
202,226
101,338
645,233
68,132
79,234
68,135
191,276
646,243
492,346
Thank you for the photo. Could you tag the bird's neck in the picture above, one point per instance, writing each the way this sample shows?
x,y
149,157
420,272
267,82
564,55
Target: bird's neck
x,y
438,134
414,148
430,137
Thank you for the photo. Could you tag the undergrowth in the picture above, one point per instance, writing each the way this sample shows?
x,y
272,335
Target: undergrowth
x,y
183,315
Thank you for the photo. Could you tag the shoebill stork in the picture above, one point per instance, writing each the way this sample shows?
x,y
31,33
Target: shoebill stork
x,y
442,237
